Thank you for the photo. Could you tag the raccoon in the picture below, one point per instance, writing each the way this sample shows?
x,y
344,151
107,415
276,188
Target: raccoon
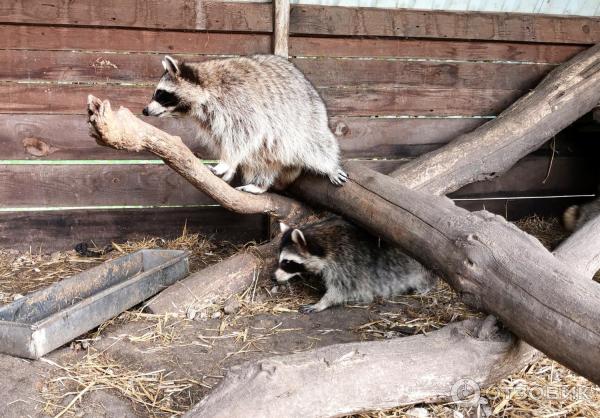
x,y
575,216
353,265
257,113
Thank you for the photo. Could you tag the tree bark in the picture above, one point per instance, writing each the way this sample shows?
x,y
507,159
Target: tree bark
x,y
215,282
497,267
566,94
122,130
354,377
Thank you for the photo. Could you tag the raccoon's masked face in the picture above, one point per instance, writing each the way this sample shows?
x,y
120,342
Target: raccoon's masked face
x,y
295,255
167,100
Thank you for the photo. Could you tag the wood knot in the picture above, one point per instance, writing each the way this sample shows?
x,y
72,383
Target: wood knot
x,y
37,147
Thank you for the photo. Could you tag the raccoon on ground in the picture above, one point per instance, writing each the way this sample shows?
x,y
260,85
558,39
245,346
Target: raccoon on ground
x,y
257,113
353,265
576,216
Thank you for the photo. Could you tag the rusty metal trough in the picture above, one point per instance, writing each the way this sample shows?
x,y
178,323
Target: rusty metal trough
x,y
49,318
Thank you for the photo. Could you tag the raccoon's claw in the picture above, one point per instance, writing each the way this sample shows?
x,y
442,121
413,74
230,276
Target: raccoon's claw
x,y
307,309
251,188
339,178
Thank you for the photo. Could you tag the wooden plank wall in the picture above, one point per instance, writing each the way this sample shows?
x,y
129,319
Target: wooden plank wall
x,y
397,83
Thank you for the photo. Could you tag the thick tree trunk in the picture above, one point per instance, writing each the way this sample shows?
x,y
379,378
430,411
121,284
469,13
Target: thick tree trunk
x,y
567,93
122,130
350,378
497,267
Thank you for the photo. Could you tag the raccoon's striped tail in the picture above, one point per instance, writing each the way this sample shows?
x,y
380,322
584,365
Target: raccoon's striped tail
x,y
570,218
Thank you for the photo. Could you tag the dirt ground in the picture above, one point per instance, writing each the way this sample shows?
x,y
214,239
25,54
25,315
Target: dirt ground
x,y
140,365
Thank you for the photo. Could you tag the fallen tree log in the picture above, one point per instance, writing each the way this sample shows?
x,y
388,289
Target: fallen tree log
x,y
215,282
122,130
353,377
494,265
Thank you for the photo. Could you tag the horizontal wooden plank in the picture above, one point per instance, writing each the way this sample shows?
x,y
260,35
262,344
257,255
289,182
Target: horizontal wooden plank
x,y
25,186
157,14
305,19
66,66
57,38
365,21
412,101
62,230
66,137
60,38
431,48
94,185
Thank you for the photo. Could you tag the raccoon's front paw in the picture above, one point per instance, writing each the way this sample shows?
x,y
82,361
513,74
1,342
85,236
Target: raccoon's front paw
x,y
307,309
223,170
251,188
339,178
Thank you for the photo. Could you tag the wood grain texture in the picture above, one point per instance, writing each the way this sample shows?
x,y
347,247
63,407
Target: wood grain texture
x,y
329,375
305,19
62,230
413,101
20,65
364,21
65,137
95,185
156,14
281,27
150,184
59,38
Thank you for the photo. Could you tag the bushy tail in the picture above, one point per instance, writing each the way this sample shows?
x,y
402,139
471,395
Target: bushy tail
x,y
570,218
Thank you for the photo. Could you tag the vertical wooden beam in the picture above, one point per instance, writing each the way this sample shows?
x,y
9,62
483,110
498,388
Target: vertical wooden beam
x,y
281,27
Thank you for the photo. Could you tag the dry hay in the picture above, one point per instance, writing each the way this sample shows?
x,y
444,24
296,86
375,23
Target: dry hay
x,y
22,273
155,392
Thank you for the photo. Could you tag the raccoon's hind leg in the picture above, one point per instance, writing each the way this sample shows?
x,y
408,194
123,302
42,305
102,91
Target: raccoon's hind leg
x,y
286,177
223,170
257,183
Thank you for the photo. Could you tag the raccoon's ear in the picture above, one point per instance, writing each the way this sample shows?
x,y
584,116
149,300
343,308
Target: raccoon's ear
x,y
298,237
283,227
170,65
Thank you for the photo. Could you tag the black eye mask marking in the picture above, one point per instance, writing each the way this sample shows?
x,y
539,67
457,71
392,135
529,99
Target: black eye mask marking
x,y
291,266
166,98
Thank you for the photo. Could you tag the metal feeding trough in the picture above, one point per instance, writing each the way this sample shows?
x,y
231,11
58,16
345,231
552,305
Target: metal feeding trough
x,y
49,318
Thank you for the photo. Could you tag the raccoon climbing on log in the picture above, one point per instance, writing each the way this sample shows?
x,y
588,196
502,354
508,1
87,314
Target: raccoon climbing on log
x,y
257,113
354,265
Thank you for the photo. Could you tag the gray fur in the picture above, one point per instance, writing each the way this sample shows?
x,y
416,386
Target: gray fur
x,y
257,113
353,265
